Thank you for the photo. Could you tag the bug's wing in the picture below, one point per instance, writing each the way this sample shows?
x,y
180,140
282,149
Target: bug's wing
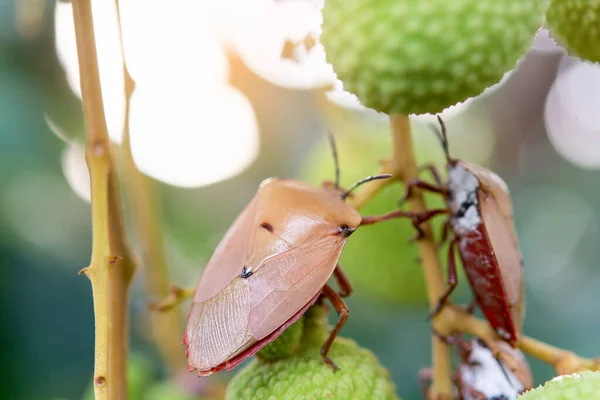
x,y
230,255
217,329
247,310
503,238
286,282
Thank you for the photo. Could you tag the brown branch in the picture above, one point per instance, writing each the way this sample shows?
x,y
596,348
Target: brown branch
x,y
405,165
111,268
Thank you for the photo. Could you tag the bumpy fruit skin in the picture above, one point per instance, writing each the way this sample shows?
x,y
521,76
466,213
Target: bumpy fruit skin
x,y
304,375
285,345
583,386
417,57
576,26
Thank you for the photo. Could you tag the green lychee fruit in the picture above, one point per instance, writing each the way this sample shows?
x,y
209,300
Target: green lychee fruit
x,y
304,375
418,57
582,386
285,345
576,26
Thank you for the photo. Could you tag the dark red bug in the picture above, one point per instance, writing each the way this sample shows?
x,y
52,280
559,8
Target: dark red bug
x,y
480,219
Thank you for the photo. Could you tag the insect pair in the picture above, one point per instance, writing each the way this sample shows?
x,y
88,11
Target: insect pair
x,y
277,257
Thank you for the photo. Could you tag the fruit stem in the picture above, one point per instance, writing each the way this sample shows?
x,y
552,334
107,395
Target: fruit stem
x,y
111,268
405,167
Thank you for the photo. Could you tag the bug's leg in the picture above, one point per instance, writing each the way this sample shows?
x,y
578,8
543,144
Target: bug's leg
x,y
470,308
463,348
445,231
421,218
175,297
343,282
444,338
423,185
452,280
435,173
391,215
425,377
343,312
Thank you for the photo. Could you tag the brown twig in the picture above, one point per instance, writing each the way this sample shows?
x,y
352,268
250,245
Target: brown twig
x,y
111,268
175,297
145,216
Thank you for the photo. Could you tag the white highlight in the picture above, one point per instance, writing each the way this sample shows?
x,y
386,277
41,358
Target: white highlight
x,y
487,377
188,127
463,185
261,47
110,61
189,138
544,43
172,43
571,114
75,170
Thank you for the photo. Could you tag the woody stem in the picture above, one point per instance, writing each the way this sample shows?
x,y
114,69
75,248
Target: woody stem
x,y
111,268
404,165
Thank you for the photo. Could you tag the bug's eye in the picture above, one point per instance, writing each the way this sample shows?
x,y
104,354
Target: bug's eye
x,y
267,226
345,230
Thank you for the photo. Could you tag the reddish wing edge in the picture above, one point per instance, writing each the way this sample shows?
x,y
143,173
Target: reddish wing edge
x,y
477,252
250,351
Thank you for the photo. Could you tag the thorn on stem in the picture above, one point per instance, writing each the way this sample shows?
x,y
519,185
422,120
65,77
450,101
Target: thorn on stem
x,y
112,260
84,271
100,381
98,148
175,290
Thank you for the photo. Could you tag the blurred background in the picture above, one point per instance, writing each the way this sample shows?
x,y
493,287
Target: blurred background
x,y
213,114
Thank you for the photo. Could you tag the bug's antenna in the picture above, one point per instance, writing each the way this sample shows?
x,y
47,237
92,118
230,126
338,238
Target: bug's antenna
x,y
364,180
442,135
335,159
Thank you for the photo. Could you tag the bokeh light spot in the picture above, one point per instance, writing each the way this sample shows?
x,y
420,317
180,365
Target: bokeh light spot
x,y
188,137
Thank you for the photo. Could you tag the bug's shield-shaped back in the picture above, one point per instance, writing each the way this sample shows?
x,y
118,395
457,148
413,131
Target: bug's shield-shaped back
x,y
248,310
230,255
